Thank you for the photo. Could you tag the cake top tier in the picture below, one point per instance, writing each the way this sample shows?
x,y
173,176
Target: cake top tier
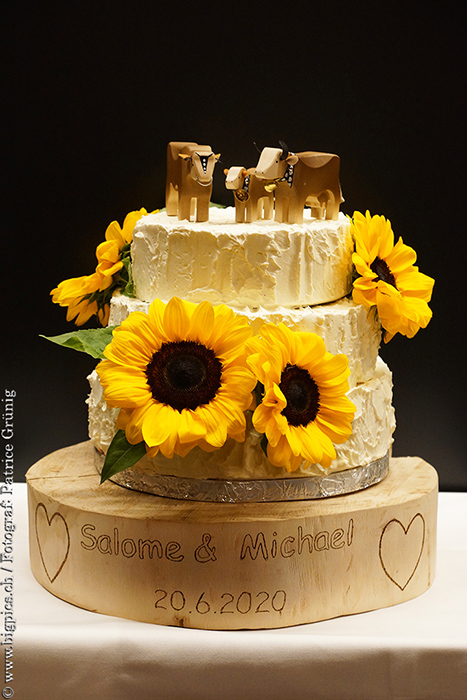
x,y
265,264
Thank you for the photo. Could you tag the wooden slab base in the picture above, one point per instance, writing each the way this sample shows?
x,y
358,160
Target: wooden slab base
x,y
229,566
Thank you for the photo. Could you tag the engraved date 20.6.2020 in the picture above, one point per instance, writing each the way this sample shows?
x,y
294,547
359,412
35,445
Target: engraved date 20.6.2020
x,y
227,603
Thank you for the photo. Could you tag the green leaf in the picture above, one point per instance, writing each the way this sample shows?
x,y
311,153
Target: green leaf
x,y
121,455
259,393
126,276
92,341
264,444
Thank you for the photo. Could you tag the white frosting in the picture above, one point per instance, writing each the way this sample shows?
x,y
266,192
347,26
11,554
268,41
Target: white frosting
x,y
373,424
267,264
346,328
371,437
102,420
299,275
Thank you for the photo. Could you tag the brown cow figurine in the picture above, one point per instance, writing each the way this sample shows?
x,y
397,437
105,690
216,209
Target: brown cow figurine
x,y
190,168
309,178
252,200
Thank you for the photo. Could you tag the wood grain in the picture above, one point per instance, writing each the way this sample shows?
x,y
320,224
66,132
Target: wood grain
x,y
229,566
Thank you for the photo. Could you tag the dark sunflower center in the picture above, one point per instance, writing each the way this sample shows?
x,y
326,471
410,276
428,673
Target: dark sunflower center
x,y
382,271
184,375
302,394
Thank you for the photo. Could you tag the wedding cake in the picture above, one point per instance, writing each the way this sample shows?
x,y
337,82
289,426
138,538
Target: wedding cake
x,y
240,398
282,285
267,273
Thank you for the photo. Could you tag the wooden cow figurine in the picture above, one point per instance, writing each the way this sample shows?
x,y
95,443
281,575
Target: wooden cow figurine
x,y
298,179
190,168
252,200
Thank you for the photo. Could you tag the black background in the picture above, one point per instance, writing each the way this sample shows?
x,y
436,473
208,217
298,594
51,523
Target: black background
x,y
92,94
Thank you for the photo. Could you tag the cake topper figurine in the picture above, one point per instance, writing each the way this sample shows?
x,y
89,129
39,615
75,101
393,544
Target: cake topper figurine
x,y
309,178
190,168
252,200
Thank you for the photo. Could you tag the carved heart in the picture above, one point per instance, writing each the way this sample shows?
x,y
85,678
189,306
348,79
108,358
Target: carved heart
x,y
400,549
53,540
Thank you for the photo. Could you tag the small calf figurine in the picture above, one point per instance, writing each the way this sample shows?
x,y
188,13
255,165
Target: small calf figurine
x,y
190,168
298,179
252,200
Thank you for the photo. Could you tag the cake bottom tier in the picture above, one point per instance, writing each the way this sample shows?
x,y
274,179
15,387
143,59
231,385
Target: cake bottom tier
x,y
229,566
371,438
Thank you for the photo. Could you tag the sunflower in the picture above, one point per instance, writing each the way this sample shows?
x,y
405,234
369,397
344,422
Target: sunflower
x,y
304,409
79,294
179,376
90,295
388,278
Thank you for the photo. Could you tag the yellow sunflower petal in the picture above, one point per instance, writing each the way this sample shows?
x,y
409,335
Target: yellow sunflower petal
x,y
216,431
333,369
310,439
82,310
128,350
295,439
366,298
261,416
202,319
176,320
231,411
124,235
74,288
130,222
400,257
169,445
335,431
107,253
155,332
404,315
229,332
385,238
416,284
123,386
133,423
339,407
282,340
310,350
361,265
273,362
142,327
279,454
123,417
273,432
159,422
191,428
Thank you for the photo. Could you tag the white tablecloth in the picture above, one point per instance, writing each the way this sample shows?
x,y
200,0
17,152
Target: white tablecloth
x,y
412,651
